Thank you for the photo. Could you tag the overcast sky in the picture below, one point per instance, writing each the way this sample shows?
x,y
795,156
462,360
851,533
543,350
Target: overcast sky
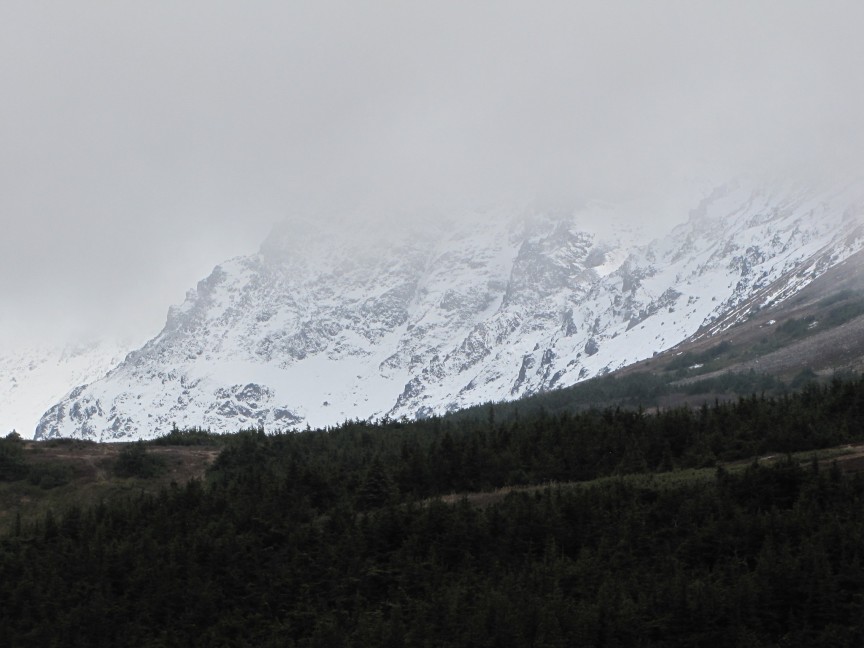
x,y
142,143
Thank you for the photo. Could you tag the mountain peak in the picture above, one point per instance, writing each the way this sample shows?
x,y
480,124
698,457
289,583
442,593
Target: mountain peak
x,y
325,324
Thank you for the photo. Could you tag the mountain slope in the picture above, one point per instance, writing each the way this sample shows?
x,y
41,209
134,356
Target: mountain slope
x,y
33,377
321,325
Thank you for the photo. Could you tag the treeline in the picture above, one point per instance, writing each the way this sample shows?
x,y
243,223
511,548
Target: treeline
x,y
339,538
647,389
433,457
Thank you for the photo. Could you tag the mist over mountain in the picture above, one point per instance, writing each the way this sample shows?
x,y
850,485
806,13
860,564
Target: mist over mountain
x,y
537,323
34,376
325,324
142,145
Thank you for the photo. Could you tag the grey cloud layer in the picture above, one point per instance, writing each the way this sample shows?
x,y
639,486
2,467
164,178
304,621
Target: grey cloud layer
x,y
143,142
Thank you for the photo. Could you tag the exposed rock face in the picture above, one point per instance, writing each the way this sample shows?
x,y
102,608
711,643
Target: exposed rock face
x,y
320,327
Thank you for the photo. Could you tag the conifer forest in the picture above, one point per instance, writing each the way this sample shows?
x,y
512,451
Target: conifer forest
x,y
733,524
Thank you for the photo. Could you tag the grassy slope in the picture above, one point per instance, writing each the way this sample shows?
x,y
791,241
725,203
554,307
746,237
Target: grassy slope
x,y
87,468
848,458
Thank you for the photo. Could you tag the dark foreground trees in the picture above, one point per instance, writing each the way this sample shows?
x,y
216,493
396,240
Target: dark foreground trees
x,y
342,539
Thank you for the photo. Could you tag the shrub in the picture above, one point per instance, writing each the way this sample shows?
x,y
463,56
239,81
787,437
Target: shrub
x,y
135,461
12,466
48,476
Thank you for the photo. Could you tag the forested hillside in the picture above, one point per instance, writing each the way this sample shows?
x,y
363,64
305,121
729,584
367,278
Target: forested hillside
x,y
614,528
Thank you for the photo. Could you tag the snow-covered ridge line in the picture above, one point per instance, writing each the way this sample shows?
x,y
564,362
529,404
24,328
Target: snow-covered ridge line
x,y
323,326
33,377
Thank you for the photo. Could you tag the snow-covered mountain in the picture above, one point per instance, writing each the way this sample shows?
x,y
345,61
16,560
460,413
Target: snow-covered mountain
x,y
34,377
322,325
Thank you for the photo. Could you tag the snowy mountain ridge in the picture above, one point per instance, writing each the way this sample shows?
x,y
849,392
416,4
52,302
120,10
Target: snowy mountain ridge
x,y
320,326
33,377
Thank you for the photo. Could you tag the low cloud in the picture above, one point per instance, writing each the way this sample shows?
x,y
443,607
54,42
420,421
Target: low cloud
x,y
143,144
